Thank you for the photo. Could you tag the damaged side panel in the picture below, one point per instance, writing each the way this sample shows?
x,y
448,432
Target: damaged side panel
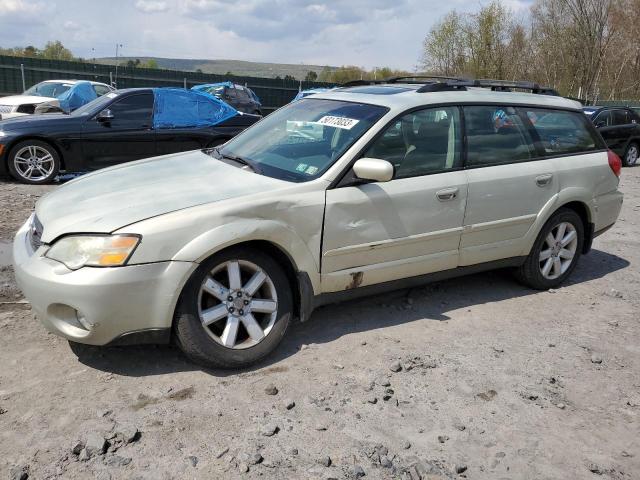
x,y
380,232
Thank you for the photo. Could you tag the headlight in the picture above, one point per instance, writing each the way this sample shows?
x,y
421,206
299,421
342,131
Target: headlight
x,y
78,251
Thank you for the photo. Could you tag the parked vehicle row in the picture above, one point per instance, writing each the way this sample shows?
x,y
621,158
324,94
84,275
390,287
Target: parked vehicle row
x,y
342,194
118,127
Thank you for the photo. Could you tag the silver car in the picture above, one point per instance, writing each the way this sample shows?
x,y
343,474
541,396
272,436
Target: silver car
x,y
341,194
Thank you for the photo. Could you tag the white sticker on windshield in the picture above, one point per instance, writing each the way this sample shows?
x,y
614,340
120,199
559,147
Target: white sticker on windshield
x,y
338,122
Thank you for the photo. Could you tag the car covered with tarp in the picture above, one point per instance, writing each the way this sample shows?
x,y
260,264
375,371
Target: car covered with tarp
x,y
240,97
118,127
52,95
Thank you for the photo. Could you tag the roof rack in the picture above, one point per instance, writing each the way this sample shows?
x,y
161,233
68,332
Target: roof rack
x,y
434,83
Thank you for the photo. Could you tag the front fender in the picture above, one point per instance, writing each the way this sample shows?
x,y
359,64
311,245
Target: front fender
x,y
242,231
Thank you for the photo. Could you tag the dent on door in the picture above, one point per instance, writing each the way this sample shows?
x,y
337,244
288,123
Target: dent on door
x,y
381,232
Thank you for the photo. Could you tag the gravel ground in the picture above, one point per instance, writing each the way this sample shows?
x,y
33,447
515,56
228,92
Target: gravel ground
x,y
476,377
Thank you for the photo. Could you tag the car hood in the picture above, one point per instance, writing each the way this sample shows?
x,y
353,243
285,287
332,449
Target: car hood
x,y
24,100
113,198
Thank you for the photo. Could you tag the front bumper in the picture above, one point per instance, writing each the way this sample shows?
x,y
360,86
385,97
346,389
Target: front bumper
x,y
97,305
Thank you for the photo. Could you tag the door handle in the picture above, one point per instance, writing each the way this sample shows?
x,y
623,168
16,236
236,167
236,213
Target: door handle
x,y
447,194
544,180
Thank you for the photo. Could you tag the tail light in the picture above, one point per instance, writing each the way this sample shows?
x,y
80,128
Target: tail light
x,y
615,163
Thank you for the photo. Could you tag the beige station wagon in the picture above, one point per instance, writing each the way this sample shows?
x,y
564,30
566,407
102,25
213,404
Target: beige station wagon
x,y
341,194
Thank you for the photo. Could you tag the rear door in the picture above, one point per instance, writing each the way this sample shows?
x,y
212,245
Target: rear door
x,y
128,136
409,226
509,182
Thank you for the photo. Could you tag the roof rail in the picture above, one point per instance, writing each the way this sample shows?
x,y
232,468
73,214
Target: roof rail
x,y
508,86
412,78
434,83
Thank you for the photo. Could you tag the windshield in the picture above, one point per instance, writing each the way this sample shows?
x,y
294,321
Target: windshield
x,y
48,89
94,105
300,141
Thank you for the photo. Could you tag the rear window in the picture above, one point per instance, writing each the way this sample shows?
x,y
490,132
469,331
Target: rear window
x,y
562,132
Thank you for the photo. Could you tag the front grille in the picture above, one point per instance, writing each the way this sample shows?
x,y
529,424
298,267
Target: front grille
x,y
35,233
6,108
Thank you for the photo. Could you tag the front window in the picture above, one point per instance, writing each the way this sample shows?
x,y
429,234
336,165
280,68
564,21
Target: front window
x,y
48,89
94,105
302,140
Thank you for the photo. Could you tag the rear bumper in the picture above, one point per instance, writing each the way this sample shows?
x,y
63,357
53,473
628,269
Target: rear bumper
x,y
607,207
98,306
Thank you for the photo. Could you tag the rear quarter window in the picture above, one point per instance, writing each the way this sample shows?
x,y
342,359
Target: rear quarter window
x,y
562,132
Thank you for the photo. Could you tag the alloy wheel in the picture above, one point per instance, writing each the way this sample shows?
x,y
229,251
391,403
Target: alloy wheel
x,y
34,163
632,155
558,250
237,304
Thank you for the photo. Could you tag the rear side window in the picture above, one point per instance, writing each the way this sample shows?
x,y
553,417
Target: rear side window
x,y
562,132
496,135
101,90
620,117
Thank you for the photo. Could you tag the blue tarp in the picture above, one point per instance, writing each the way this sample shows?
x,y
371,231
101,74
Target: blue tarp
x,y
78,95
179,108
311,91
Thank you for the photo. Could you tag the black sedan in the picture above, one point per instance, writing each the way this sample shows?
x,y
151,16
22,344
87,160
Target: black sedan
x,y
118,127
620,128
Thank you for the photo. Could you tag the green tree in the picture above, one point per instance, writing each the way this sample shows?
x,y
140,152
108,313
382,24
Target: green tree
x,y
56,51
289,78
151,63
311,76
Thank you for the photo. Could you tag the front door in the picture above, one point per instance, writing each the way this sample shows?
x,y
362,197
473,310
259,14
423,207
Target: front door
x,y
409,226
128,136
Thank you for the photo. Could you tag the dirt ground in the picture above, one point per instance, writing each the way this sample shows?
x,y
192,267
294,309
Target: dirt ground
x,y
496,382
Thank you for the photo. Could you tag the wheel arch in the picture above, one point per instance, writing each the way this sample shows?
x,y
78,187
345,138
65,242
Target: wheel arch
x,y
584,213
301,288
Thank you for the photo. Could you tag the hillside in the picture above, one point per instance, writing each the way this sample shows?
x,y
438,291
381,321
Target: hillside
x,y
237,67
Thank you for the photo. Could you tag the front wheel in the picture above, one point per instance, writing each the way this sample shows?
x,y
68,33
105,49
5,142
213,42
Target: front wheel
x,y
34,162
632,155
234,310
555,252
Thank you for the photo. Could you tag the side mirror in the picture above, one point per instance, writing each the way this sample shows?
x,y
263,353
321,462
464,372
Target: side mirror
x,y
105,115
373,169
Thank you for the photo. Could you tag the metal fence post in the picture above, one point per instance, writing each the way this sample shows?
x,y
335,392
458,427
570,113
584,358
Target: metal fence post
x,y
24,87
185,83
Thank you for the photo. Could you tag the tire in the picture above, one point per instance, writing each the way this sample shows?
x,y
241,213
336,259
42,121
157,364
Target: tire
x,y
215,345
39,156
631,155
531,273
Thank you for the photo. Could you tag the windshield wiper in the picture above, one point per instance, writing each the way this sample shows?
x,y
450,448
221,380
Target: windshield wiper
x,y
241,160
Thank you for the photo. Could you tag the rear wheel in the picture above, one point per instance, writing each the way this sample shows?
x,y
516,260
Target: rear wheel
x,y
632,155
234,310
555,252
33,161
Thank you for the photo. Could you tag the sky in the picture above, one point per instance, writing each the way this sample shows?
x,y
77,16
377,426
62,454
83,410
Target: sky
x,y
366,33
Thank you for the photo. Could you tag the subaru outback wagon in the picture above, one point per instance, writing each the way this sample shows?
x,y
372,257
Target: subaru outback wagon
x,y
342,194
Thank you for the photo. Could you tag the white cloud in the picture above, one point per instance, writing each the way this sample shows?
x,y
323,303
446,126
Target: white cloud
x,y
321,32
151,6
